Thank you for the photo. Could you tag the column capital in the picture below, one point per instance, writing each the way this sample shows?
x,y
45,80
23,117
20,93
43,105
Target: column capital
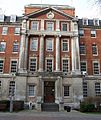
x,y
58,36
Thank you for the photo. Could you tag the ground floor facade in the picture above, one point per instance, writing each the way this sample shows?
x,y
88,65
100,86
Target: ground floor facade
x,y
51,88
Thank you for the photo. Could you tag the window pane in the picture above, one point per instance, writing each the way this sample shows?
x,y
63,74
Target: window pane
x,y
32,65
15,47
93,33
94,49
83,66
34,45
64,26
85,89
50,26
13,66
81,32
82,49
35,25
49,65
31,90
65,45
49,46
97,89
4,30
2,46
1,66
12,88
17,30
96,68
65,65
66,90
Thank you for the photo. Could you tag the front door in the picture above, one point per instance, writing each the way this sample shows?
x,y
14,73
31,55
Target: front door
x,y
49,91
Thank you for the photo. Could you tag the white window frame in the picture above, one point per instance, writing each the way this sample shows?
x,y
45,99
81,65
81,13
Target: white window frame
x,y
94,46
96,68
84,66
2,65
2,17
97,88
49,49
4,43
65,41
12,88
96,22
30,64
47,27
35,28
52,63
62,23
81,32
82,49
67,92
85,89
85,21
36,48
93,33
31,90
68,64
17,31
16,65
13,18
4,30
17,44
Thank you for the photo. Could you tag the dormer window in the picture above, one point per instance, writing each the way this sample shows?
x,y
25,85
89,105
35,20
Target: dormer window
x,y
96,22
85,21
13,18
2,18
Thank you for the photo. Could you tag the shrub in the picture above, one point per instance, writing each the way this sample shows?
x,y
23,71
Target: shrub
x,y
18,105
4,105
87,107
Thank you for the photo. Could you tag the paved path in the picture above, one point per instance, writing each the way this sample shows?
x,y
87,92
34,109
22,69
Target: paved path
x,y
34,115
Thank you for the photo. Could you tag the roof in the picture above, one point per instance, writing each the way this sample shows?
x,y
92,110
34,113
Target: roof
x,y
7,19
48,9
90,23
49,5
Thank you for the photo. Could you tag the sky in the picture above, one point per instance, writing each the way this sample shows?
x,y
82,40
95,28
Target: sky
x,y
83,8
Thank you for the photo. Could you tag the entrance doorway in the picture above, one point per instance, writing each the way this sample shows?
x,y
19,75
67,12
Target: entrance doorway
x,y
49,91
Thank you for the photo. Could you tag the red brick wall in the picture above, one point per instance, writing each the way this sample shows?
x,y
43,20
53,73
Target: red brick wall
x,y
88,41
9,39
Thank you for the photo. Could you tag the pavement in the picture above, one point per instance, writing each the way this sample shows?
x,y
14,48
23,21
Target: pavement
x,y
38,115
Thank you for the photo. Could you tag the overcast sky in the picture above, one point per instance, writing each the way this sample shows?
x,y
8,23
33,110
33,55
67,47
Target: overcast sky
x,y
83,8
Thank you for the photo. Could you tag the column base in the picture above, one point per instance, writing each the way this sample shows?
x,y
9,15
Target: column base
x,y
22,71
38,107
76,72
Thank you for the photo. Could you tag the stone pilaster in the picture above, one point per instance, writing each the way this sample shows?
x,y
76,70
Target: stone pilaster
x,y
75,49
57,25
23,49
39,94
42,24
41,54
57,54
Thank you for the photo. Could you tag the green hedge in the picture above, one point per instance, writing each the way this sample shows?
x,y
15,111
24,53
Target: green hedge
x,y
87,107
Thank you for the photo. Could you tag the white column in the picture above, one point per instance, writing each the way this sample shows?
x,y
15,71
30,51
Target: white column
x,y
23,49
73,53
21,55
57,54
42,24
57,25
26,53
41,54
75,49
